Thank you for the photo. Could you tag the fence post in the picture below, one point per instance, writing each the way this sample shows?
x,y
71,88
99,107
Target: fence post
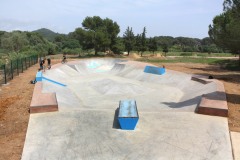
x,y
11,69
5,74
25,62
17,67
29,61
22,64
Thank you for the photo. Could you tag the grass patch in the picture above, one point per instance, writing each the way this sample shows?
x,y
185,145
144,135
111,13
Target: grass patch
x,y
232,65
188,54
182,60
200,54
225,64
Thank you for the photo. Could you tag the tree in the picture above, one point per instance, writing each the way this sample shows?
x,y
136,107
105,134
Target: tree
x,y
50,51
129,39
143,41
1,34
161,40
138,43
118,47
165,49
99,33
225,30
75,51
152,45
112,31
14,41
71,43
85,38
188,44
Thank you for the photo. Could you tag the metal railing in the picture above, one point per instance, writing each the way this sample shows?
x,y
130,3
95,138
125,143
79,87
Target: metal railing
x,y
11,69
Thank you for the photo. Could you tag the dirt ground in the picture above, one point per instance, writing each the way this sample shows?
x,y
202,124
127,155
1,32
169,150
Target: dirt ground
x,y
231,81
15,99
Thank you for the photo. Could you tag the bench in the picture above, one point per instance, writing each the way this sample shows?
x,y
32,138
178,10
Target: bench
x,y
43,102
128,114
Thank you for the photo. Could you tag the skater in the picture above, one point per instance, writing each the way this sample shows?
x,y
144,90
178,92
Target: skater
x,y
64,60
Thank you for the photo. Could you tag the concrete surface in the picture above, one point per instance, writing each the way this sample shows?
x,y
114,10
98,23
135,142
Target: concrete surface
x,y
86,126
235,136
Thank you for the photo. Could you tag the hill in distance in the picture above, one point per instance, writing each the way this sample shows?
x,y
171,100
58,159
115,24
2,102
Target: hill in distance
x,y
47,33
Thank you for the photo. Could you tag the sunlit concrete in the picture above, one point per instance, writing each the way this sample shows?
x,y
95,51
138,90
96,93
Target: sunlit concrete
x,y
235,137
85,127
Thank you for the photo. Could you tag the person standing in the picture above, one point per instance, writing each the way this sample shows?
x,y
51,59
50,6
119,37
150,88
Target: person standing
x,y
64,60
49,62
40,63
43,65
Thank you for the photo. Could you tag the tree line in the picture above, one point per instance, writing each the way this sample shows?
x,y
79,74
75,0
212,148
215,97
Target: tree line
x,y
225,30
101,35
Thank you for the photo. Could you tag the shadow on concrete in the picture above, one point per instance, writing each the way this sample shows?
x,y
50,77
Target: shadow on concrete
x,y
116,124
182,104
220,96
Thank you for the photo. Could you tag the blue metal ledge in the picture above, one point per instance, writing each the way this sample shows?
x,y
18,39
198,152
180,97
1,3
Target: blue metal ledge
x,y
128,114
154,70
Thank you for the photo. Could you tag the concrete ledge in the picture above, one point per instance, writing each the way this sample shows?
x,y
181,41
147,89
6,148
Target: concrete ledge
x,y
213,107
214,104
201,79
43,102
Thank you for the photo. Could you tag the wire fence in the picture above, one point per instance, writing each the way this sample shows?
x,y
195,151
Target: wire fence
x,y
11,69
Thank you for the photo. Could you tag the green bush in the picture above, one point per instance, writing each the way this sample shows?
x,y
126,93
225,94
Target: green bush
x,y
186,54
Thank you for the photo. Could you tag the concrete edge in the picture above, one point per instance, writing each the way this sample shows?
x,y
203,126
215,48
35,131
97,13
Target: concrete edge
x,y
235,139
215,105
43,102
201,79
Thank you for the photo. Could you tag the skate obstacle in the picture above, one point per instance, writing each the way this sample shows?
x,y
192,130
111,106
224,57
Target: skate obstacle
x,y
214,104
43,102
128,114
154,70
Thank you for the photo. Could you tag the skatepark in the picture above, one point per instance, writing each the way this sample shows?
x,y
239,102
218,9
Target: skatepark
x,y
74,114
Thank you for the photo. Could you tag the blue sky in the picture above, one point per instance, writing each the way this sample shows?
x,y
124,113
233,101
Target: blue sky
x,y
188,18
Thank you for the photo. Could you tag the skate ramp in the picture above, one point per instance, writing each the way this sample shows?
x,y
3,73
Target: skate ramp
x,y
102,83
85,128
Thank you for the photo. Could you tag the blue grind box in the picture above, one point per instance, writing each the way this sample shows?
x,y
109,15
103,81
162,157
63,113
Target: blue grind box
x,y
128,114
154,70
